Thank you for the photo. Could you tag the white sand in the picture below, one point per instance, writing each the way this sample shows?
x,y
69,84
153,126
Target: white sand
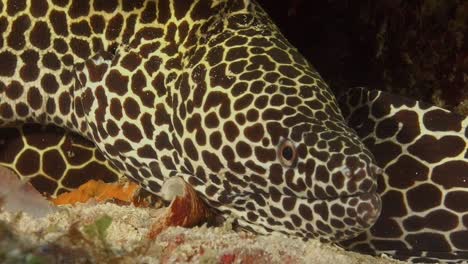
x,y
126,240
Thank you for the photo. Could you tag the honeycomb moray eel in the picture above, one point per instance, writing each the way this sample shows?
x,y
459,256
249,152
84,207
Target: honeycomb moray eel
x,y
423,151
210,91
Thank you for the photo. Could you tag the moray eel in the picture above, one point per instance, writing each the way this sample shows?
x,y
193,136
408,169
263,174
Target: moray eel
x,y
423,151
209,91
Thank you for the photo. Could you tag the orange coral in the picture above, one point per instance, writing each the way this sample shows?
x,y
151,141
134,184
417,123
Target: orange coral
x,y
100,191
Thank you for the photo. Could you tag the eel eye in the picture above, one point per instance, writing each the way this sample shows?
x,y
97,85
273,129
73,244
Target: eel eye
x,y
287,153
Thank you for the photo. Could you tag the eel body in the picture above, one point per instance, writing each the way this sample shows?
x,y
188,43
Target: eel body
x,y
209,91
423,151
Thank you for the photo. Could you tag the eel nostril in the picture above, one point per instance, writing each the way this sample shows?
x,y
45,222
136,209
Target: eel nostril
x,y
375,170
346,171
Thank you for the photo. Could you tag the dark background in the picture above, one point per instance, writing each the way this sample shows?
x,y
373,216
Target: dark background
x,y
414,48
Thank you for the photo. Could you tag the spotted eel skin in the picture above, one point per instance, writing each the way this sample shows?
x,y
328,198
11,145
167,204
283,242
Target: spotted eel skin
x,y
209,91
423,151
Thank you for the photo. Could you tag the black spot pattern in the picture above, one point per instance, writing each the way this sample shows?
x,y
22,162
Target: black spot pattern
x,y
167,88
417,186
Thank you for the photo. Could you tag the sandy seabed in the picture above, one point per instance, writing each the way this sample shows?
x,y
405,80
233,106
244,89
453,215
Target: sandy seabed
x,y
63,236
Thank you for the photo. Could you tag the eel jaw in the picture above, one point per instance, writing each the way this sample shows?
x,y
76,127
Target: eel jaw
x,y
332,220
329,218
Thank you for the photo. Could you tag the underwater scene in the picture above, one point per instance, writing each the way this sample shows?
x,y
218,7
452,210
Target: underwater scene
x,y
233,131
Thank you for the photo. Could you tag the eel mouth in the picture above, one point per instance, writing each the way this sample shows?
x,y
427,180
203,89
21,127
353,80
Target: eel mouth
x,y
368,207
332,219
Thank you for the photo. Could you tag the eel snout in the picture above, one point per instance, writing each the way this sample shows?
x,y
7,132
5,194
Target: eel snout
x,y
346,184
355,207
329,195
